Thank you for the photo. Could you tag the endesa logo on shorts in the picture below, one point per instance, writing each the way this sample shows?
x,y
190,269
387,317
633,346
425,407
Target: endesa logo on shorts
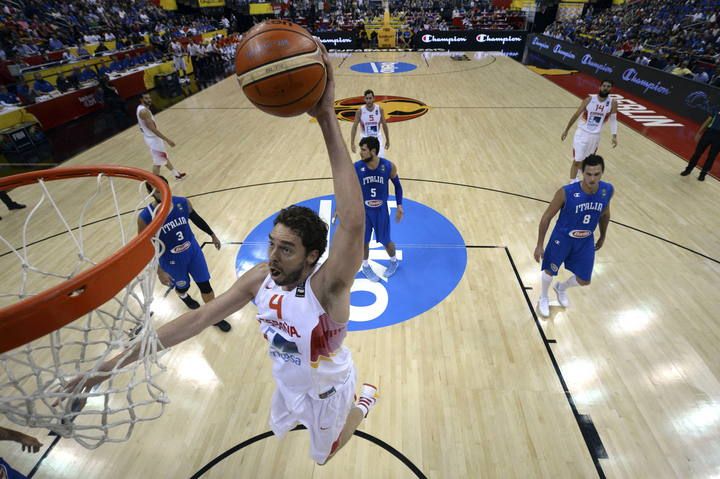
x,y
432,259
373,203
580,233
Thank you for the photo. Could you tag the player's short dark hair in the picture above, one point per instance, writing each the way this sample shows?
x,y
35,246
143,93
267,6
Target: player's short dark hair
x,y
150,187
305,223
593,160
372,143
369,92
607,80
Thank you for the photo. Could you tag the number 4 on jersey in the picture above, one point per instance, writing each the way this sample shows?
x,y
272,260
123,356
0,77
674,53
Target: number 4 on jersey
x,y
276,304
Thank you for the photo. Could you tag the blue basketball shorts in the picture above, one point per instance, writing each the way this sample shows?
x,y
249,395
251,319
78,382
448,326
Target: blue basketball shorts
x,y
180,266
378,219
578,255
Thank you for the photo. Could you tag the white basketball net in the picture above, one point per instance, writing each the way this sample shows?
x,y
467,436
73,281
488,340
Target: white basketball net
x,y
32,375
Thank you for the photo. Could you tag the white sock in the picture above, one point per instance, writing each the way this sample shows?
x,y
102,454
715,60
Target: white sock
x,y
546,280
393,259
184,295
365,263
571,282
175,172
365,404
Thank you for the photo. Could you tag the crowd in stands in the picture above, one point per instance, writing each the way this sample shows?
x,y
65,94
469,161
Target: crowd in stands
x,y
678,36
408,15
37,27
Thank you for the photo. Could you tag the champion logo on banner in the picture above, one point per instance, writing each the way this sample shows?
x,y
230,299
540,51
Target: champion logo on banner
x,y
482,38
541,45
631,75
430,38
558,49
587,59
336,41
432,259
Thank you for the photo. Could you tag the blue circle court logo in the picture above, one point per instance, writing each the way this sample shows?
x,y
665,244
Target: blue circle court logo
x,y
383,67
432,259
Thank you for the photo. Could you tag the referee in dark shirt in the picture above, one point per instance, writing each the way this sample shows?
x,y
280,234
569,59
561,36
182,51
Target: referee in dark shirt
x,y
707,136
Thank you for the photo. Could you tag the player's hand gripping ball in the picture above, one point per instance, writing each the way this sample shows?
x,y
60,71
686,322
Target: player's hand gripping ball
x,y
280,68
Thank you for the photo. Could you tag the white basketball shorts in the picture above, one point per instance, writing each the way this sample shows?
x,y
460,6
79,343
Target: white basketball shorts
x,y
157,151
323,418
584,144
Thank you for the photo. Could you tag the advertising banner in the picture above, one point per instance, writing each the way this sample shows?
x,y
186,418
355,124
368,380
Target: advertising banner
x,y
509,42
681,95
339,40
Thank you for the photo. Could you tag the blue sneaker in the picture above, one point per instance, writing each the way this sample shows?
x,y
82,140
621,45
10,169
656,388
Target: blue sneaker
x,y
370,274
391,269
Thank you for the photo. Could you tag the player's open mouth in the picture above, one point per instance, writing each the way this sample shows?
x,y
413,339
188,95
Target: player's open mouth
x,y
274,272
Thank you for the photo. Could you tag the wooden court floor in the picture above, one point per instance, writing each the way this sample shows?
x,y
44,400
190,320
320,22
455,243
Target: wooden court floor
x,y
477,386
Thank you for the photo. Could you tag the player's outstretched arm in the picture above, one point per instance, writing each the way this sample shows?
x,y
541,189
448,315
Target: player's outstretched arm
x,y
552,209
337,274
189,324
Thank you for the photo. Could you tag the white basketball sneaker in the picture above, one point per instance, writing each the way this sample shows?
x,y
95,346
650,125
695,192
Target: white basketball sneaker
x,y
368,397
562,296
544,306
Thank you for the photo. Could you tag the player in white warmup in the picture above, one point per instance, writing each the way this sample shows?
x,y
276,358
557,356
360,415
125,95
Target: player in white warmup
x,y
303,307
371,119
594,112
154,139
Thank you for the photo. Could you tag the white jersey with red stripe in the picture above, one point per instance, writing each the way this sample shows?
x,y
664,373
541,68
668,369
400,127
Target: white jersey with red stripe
x,y
370,121
305,343
147,133
595,115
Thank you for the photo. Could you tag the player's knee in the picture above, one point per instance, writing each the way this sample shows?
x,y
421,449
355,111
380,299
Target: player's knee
x,y
582,282
181,290
205,287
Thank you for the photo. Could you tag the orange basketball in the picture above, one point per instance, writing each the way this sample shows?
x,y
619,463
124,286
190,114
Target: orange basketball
x,y
280,68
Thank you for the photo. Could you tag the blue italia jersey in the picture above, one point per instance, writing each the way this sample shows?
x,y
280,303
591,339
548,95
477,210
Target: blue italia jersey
x,y
175,233
374,183
581,212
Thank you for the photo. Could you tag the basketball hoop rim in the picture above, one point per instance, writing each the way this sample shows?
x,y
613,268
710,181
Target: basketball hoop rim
x,y
39,315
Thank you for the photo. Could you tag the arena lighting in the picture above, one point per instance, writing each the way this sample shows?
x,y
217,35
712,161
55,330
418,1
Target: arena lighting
x,y
701,420
580,373
631,322
668,373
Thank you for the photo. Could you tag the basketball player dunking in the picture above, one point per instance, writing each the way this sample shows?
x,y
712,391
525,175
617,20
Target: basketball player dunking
x,y
303,307
371,118
582,205
154,139
594,111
